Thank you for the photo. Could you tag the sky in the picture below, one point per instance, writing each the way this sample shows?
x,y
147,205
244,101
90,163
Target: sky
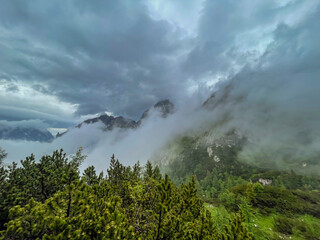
x,y
64,61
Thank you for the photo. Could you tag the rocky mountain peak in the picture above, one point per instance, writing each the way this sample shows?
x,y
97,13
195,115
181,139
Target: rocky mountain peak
x,y
111,122
164,107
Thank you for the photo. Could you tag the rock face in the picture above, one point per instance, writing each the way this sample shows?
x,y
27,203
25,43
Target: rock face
x,y
111,122
28,134
164,107
60,134
265,182
218,150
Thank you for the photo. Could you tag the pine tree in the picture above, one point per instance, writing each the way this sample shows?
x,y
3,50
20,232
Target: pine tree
x,y
236,230
136,171
116,171
148,170
90,175
123,206
3,190
156,173
3,155
164,207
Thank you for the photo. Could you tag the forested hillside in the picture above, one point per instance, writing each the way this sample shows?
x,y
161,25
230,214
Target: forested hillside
x,y
276,204
51,199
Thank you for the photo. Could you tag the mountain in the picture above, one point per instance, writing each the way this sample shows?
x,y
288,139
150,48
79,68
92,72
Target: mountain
x,y
164,108
111,122
208,149
242,133
25,133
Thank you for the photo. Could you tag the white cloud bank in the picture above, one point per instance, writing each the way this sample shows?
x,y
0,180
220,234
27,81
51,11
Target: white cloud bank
x,y
129,146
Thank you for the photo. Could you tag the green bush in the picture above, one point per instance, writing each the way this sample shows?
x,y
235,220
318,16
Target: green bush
x,y
284,225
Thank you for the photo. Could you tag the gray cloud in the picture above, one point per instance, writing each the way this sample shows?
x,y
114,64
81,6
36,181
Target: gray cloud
x,y
37,124
129,146
232,34
275,102
85,57
101,55
119,56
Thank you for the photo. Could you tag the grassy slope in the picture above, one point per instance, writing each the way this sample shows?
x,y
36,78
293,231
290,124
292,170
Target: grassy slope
x,y
263,226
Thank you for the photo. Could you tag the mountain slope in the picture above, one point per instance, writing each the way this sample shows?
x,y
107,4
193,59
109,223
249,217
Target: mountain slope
x,y
111,122
25,133
164,108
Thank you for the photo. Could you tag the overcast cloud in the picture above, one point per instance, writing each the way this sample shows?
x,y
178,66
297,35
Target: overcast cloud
x,y
88,57
64,61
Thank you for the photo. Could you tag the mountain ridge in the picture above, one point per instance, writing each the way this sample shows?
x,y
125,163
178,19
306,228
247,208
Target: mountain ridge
x,y
25,133
164,107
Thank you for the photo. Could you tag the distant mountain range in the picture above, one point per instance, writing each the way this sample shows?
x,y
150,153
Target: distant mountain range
x,y
9,132
25,133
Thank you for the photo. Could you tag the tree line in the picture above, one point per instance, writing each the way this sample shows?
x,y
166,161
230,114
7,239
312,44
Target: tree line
x,y
51,199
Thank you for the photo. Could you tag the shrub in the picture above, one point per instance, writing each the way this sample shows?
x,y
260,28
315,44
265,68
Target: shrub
x,y
284,225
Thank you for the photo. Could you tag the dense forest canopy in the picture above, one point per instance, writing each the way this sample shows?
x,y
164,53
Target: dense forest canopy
x,y
51,199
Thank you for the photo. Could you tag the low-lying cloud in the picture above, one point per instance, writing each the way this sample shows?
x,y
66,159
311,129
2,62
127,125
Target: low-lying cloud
x,y
128,145
275,102
267,53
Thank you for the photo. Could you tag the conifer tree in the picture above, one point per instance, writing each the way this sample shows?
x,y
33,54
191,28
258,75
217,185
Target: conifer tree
x,y
122,206
90,175
236,229
115,171
162,217
148,170
136,172
3,189
3,155
156,173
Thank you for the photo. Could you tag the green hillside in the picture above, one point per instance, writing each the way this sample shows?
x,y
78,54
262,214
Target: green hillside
x,y
196,188
276,204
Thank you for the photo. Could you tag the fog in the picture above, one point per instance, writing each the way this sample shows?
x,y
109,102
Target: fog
x,y
129,145
273,101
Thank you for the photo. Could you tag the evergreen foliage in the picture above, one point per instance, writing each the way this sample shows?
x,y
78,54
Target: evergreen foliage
x,y
49,199
229,186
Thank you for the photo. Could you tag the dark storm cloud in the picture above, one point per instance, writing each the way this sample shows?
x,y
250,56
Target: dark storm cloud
x,y
101,55
116,56
119,56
